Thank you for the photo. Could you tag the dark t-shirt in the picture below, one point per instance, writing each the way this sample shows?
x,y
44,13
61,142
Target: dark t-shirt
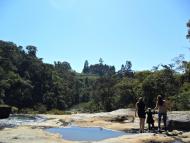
x,y
141,109
150,117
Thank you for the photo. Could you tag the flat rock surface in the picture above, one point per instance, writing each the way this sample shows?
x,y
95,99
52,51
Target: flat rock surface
x,y
179,115
35,132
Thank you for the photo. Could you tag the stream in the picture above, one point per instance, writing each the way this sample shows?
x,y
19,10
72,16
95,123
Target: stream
x,y
20,119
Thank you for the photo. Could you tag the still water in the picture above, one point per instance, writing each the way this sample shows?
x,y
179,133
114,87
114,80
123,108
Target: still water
x,y
75,133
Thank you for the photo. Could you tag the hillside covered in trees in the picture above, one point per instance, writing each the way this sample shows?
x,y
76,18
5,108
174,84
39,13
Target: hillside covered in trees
x,y
28,83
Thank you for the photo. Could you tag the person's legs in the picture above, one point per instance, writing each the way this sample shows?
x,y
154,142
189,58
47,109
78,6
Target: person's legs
x,y
159,120
164,120
140,124
143,122
152,125
149,128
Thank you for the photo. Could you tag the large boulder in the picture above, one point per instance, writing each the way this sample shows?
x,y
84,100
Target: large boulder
x,y
179,120
4,111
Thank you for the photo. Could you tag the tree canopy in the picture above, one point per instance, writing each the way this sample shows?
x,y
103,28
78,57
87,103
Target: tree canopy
x,y
26,82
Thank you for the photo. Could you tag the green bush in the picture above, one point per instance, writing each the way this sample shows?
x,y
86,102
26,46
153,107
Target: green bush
x,y
86,107
14,110
40,108
27,111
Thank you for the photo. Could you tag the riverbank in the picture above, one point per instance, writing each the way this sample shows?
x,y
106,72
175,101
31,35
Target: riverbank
x,y
122,120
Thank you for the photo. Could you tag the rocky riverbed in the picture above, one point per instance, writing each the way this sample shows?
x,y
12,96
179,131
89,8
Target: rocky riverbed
x,y
121,120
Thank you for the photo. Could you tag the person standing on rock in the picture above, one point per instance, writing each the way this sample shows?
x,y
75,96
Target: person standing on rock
x,y
150,119
162,111
140,109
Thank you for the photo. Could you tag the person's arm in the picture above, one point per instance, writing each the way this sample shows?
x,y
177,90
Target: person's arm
x,y
135,109
156,106
165,105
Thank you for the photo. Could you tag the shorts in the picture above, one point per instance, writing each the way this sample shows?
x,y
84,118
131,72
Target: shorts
x,y
141,115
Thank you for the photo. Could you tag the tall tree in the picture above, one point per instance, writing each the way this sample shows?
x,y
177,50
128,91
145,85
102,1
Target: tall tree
x,y
126,70
86,67
101,61
128,66
188,33
31,50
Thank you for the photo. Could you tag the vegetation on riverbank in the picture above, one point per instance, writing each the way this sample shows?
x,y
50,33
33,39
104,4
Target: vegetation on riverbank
x,y
27,83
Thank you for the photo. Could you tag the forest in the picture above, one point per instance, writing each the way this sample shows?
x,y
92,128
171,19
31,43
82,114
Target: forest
x,y
29,84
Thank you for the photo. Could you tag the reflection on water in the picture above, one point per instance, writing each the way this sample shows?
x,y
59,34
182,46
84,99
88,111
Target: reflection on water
x,y
75,133
19,119
177,141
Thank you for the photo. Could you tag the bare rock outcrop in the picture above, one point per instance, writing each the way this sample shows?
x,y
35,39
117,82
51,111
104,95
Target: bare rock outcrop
x,y
179,120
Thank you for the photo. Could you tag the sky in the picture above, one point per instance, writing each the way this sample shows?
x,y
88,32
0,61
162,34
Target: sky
x,y
145,32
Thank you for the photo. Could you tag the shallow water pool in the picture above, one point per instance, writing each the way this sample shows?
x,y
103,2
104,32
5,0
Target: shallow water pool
x,y
75,133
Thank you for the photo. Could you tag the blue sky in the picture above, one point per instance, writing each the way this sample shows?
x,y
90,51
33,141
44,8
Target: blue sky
x,y
146,32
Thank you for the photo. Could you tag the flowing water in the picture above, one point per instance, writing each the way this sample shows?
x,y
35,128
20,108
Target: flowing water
x,y
19,119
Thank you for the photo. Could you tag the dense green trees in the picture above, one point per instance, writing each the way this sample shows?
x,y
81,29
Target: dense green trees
x,y
163,82
28,83
126,70
86,67
98,69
